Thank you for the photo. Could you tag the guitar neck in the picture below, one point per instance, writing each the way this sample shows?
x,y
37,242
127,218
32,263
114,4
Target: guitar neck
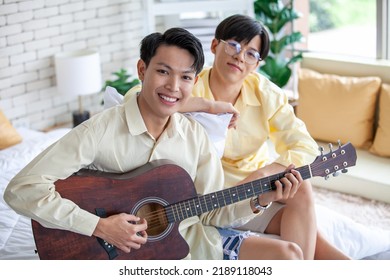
x,y
182,210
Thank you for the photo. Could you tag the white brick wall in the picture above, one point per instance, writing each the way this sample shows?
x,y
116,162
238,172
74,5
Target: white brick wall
x,y
32,32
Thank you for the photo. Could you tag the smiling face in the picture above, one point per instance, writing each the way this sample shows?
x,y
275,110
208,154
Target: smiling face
x,y
233,68
167,83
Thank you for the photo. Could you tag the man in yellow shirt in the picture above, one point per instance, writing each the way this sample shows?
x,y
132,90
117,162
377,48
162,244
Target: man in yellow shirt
x,y
146,127
240,44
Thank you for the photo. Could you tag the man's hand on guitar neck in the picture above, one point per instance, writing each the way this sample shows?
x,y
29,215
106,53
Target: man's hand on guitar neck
x,y
285,188
124,231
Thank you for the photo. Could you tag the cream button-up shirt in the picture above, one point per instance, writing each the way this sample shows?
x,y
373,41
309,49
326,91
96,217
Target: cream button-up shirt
x,y
264,113
116,140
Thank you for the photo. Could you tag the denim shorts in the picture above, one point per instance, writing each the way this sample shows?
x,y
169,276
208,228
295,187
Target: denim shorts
x,y
231,242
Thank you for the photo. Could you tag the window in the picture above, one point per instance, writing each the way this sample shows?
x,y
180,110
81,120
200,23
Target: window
x,y
357,28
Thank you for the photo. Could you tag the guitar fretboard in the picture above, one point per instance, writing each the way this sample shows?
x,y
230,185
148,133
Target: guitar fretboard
x,y
205,203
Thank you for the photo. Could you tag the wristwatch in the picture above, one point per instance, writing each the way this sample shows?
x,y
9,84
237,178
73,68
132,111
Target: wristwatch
x,y
258,206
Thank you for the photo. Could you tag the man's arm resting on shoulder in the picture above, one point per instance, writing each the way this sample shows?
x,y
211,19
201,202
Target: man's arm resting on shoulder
x,y
200,104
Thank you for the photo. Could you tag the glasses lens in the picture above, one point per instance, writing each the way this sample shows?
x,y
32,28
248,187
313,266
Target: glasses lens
x,y
251,57
232,48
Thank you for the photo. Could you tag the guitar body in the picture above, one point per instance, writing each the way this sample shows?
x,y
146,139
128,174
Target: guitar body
x,y
140,192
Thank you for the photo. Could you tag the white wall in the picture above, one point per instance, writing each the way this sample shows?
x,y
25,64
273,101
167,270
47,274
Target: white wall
x,y
32,32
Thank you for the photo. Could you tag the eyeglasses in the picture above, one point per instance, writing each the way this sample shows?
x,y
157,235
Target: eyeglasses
x,y
233,48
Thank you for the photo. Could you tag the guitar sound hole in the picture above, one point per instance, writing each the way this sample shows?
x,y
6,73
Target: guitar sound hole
x,y
154,214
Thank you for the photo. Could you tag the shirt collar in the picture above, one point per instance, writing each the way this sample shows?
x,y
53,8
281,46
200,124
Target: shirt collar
x,y
136,124
174,127
134,120
248,91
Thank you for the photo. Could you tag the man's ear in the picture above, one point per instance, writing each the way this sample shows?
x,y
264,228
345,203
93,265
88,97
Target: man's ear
x,y
214,44
141,68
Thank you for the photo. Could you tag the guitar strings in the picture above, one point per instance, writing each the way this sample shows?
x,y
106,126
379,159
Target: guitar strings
x,y
154,218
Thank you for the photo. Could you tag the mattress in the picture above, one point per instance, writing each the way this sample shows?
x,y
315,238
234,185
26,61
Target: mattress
x,y
16,238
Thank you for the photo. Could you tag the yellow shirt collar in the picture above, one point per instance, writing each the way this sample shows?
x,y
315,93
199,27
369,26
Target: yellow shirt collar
x,y
248,92
136,124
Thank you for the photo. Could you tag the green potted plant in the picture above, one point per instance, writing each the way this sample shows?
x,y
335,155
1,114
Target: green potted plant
x,y
122,83
276,16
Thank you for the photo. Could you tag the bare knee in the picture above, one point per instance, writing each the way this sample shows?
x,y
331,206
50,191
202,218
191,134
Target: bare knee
x,y
291,251
304,195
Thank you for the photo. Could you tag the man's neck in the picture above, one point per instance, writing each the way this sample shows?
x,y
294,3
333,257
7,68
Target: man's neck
x,y
156,128
223,90
154,123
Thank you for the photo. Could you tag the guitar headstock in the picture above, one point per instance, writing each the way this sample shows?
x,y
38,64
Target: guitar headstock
x,y
335,161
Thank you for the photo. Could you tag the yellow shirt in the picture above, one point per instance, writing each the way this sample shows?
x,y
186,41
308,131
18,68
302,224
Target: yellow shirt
x,y
117,140
264,113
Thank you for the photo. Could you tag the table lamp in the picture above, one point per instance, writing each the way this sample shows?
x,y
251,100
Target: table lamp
x,y
78,73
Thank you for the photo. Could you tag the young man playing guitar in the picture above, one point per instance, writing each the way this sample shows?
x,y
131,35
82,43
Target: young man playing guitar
x,y
146,127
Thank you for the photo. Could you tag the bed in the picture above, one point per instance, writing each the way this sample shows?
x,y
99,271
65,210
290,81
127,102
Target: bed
x,y
16,239
355,237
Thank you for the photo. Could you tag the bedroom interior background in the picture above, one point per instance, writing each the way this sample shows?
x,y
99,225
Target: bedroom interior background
x,y
32,32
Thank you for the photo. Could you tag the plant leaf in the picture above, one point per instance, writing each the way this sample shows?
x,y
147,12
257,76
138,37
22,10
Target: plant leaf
x,y
286,15
295,59
275,15
122,83
277,46
277,71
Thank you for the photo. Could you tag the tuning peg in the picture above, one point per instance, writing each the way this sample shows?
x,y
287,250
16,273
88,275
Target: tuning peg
x,y
326,177
344,171
330,147
339,143
337,173
321,149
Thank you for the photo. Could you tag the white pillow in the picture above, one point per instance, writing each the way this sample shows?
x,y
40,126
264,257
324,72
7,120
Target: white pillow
x,y
356,240
112,97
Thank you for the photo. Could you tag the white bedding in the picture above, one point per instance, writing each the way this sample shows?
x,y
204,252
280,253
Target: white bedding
x,y
16,239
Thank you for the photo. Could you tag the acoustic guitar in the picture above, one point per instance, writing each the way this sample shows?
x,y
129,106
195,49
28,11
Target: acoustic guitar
x,y
162,193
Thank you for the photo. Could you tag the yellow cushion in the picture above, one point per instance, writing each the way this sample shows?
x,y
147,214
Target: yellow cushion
x,y
8,134
338,108
381,145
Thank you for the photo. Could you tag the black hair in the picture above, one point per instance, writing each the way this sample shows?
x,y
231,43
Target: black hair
x,y
176,36
243,29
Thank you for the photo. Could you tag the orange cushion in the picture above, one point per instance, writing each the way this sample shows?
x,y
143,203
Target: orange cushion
x,y
381,145
8,134
338,108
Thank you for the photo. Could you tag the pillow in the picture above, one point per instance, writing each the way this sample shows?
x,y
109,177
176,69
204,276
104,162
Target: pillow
x,y
8,134
356,240
382,136
338,108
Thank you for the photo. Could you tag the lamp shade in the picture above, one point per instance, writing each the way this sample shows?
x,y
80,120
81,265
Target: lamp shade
x,y
78,72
